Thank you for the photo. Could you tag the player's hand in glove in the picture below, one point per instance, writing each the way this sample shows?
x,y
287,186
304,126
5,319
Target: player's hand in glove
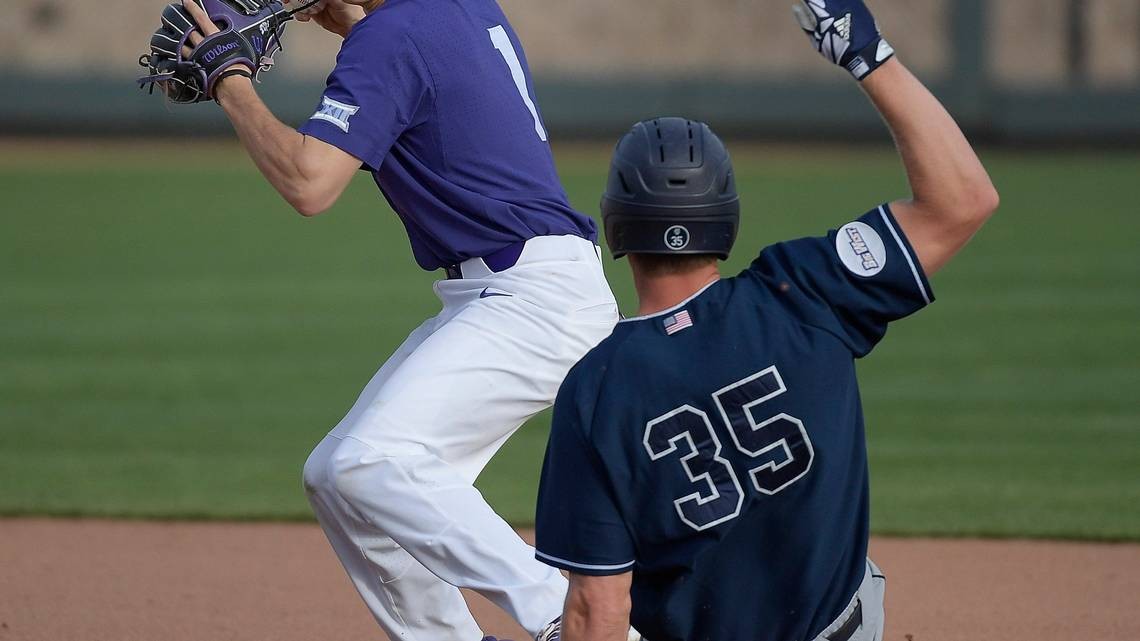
x,y
201,41
845,32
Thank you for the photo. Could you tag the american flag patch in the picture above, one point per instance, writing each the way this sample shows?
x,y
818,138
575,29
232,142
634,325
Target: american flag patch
x,y
677,322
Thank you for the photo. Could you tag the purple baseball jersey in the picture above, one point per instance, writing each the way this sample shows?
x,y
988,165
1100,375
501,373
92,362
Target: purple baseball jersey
x,y
435,99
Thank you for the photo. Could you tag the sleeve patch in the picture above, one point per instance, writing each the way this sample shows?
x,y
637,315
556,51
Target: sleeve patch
x,y
335,112
861,249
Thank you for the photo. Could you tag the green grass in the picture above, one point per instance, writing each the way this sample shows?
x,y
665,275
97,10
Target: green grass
x,y
166,355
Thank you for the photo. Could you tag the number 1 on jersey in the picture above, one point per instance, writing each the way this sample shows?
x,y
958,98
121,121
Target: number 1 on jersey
x,y
503,43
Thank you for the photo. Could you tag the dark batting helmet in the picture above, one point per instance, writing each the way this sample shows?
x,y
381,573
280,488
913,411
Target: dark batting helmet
x,y
671,191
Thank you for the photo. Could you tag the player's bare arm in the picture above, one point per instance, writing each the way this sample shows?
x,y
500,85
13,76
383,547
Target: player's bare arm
x,y
597,608
308,173
952,195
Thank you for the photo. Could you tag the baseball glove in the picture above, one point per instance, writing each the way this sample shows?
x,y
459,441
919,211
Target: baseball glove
x,y
250,32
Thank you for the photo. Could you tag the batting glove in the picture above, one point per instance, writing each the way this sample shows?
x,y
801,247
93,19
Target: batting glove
x,y
846,33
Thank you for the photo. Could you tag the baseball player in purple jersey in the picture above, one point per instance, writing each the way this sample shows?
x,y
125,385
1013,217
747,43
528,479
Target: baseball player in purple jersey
x,y
434,98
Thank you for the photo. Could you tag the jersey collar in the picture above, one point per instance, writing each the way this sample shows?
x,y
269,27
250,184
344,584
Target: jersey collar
x,y
672,309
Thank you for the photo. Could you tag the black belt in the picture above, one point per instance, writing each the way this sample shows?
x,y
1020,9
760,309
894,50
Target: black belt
x,y
497,261
850,626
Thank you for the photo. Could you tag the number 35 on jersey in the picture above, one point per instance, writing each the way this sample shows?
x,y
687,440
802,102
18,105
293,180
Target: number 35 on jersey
x,y
778,445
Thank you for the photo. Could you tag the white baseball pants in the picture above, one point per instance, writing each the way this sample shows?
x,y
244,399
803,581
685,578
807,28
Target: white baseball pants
x,y
392,483
869,599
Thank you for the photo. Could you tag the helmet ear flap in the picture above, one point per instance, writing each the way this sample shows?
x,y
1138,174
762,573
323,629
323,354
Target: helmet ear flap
x,y
671,190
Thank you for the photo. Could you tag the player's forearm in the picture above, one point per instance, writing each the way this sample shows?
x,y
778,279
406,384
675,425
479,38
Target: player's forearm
x,y
588,625
946,177
277,149
597,609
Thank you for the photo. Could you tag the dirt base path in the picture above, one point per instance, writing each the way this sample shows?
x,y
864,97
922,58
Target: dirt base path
x,y
123,581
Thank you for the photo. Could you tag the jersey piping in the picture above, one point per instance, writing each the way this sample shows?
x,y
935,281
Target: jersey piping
x,y
906,254
584,566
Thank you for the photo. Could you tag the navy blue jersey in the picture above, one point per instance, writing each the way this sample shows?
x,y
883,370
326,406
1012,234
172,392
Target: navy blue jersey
x,y
716,449
435,97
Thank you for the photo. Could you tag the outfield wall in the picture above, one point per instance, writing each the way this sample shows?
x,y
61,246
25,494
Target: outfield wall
x,y
1019,70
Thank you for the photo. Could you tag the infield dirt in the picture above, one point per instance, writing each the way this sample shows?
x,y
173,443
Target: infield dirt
x,y
66,580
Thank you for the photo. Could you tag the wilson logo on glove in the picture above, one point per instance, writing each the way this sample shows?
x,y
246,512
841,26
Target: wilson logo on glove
x,y
213,54
250,33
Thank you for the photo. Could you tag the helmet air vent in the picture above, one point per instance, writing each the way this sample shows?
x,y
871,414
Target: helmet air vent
x,y
624,185
692,150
